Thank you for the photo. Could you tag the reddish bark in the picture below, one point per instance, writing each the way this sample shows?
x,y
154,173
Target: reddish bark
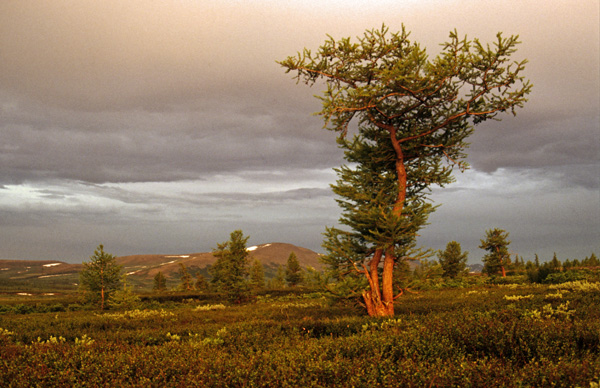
x,y
381,303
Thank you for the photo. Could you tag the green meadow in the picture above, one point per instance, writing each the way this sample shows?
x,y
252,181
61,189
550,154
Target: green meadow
x,y
479,336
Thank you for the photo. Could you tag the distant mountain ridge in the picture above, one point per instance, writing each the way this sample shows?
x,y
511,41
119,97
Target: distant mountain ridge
x,y
23,275
271,255
475,268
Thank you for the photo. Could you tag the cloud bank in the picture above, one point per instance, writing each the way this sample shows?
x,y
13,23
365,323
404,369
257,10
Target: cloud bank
x,y
160,127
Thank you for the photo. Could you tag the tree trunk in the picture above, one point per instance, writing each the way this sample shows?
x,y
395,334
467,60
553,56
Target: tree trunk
x,y
400,172
102,298
376,307
380,303
372,297
501,262
388,281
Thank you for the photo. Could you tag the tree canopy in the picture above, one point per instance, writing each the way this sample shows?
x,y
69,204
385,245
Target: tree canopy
x,y
160,282
231,268
257,275
293,271
100,277
412,116
497,257
453,260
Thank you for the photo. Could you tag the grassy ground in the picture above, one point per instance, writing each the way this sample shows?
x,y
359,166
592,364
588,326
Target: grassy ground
x,y
495,336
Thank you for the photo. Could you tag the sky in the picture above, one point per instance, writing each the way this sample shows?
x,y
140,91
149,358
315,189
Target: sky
x,y
160,126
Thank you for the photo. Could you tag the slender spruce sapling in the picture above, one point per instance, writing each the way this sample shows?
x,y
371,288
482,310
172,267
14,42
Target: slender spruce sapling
x,y
453,260
100,277
293,271
497,257
230,271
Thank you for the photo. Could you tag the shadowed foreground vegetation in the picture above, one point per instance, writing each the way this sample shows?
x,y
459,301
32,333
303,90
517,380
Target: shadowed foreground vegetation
x,y
492,336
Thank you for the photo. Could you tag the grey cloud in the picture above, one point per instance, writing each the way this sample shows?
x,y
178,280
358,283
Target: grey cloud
x,y
128,99
130,222
170,147
115,55
91,201
270,197
557,131
567,145
539,214
130,121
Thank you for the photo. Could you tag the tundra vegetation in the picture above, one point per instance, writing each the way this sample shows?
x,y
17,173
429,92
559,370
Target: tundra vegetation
x,y
257,275
411,117
539,325
468,331
160,282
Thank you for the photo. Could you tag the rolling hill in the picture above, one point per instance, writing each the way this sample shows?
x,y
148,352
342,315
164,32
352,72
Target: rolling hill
x,y
270,255
29,275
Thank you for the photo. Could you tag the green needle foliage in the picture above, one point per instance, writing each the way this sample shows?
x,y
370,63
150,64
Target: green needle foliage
x,y
497,258
201,284
231,268
412,115
279,280
257,275
293,271
186,278
100,277
124,299
453,260
160,282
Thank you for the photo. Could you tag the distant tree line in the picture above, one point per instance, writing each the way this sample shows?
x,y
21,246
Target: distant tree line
x,y
238,277
235,274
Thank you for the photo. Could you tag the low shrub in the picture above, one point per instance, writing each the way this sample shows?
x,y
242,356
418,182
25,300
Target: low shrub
x,y
487,336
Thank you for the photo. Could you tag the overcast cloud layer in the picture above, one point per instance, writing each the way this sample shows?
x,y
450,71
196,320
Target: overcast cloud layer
x,y
160,127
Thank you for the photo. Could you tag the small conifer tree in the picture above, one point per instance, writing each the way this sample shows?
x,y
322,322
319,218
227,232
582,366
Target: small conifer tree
x,y
496,244
201,283
452,260
100,277
186,278
124,298
293,271
231,268
591,261
160,282
279,280
257,275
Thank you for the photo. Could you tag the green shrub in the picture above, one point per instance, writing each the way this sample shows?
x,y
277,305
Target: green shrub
x,y
486,336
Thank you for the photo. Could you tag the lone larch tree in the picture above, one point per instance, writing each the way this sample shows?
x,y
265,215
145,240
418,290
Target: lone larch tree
x,y
230,271
100,277
412,117
453,260
497,257
293,271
